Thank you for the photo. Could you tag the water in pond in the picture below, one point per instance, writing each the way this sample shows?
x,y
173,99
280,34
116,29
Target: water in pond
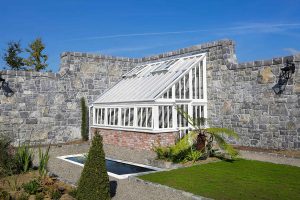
x,y
115,167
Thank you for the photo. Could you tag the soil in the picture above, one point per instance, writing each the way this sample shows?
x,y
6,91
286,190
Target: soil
x,y
16,181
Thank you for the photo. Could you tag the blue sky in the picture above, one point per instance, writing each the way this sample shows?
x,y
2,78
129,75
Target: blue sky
x,y
262,29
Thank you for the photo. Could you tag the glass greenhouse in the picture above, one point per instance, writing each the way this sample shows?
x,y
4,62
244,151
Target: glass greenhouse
x,y
146,98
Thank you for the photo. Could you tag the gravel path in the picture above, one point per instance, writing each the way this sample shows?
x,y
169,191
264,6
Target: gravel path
x,y
125,189
132,190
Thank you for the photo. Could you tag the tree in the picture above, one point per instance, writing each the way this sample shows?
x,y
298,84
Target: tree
x,y
94,182
207,135
37,60
84,128
11,56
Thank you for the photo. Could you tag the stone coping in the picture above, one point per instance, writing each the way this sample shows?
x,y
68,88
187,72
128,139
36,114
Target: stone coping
x,y
177,52
184,193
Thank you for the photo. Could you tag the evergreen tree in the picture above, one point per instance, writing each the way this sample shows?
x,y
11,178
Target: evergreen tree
x,y
84,119
94,182
11,56
37,60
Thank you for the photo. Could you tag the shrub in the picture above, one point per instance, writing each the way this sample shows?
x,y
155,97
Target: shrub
x,y
32,187
24,157
4,195
55,194
43,161
39,196
179,151
193,155
73,193
7,164
84,128
94,182
23,196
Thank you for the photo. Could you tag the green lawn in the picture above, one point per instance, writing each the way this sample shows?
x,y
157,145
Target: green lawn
x,y
241,179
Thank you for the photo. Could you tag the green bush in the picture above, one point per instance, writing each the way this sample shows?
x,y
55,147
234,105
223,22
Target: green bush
x,y
32,187
84,120
94,182
24,157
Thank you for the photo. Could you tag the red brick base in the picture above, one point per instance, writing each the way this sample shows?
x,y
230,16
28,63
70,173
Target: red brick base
x,y
136,140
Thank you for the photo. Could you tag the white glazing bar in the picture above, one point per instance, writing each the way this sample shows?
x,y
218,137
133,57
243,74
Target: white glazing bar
x,y
204,80
174,117
195,82
200,80
105,117
190,85
155,115
179,88
119,117
190,112
162,117
135,117
173,92
168,117
94,115
184,88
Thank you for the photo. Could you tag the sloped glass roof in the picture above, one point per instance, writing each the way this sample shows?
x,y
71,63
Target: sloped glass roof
x,y
146,82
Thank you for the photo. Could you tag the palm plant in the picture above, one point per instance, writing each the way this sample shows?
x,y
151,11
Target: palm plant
x,y
207,135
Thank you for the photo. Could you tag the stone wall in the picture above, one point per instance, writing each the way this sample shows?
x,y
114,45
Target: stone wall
x,y
240,96
46,106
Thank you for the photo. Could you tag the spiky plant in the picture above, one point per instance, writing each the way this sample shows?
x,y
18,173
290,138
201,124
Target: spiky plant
x,y
207,135
43,161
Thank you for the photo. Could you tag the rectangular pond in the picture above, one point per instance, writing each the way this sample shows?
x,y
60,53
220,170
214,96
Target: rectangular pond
x,y
116,168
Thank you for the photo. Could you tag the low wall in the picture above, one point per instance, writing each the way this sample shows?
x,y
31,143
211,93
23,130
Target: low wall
x,y
136,140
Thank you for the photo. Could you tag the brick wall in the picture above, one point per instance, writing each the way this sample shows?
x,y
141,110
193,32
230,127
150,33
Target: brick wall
x,y
136,140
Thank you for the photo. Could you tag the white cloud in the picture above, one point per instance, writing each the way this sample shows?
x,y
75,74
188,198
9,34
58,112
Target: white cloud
x,y
292,51
245,28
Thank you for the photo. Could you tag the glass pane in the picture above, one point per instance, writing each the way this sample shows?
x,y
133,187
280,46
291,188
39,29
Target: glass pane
x,y
170,93
126,116
149,123
187,89
144,117
166,112
103,114
116,116
177,90
182,88
197,83
131,117
170,116
139,117
96,116
108,116
160,116
193,82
